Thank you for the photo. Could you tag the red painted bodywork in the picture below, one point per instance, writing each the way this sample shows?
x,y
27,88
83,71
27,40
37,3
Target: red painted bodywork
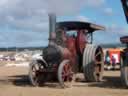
x,y
71,45
74,45
81,40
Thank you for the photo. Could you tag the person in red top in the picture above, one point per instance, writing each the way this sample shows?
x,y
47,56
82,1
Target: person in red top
x,y
113,62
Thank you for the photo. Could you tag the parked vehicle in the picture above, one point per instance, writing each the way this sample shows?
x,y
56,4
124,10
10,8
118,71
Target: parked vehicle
x,y
124,61
67,54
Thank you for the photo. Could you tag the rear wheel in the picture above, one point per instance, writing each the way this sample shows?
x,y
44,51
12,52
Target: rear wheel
x,y
65,74
93,65
124,71
35,76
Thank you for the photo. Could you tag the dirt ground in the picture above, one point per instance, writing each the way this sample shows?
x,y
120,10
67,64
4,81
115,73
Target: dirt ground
x,y
14,82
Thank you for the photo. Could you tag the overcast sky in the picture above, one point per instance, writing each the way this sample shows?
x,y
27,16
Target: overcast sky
x,y
25,22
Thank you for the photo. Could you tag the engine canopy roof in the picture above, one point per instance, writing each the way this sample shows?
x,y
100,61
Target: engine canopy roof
x,y
77,25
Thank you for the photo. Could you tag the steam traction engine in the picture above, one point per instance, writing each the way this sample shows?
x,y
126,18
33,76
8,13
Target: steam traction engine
x,y
68,53
124,62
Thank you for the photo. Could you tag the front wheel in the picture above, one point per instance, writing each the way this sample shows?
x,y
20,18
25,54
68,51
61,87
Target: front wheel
x,y
35,76
65,74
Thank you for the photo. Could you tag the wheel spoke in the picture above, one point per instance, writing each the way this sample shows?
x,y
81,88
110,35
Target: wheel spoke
x,y
33,69
98,53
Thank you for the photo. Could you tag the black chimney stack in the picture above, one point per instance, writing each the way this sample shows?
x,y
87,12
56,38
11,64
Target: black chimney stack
x,y
52,28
